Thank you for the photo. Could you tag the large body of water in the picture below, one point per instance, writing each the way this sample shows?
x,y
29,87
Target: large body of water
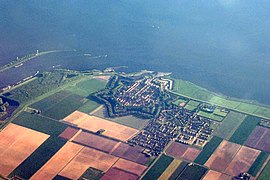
x,y
222,45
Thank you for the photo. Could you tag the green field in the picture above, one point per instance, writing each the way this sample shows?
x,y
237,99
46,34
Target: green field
x,y
211,116
178,171
49,101
191,105
64,107
194,172
193,91
91,173
244,130
130,121
39,123
88,106
87,87
265,173
38,158
208,150
157,169
218,111
256,166
229,125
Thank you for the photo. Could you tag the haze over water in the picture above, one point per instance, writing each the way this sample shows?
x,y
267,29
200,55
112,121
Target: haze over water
x,y
222,45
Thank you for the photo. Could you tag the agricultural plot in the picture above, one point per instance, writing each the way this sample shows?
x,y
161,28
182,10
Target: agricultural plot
x,y
130,167
68,133
87,87
170,169
95,141
48,102
219,111
88,106
178,170
191,105
130,121
214,175
64,107
86,158
194,172
38,158
245,129
131,153
118,174
158,168
265,173
184,151
208,150
189,89
223,155
91,173
58,161
94,124
211,116
229,125
17,144
242,161
40,123
257,165
259,139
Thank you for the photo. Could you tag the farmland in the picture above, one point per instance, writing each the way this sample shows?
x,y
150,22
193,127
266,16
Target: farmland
x,y
130,121
265,173
193,172
94,124
86,158
178,170
71,141
244,130
184,151
15,147
40,123
190,90
223,155
158,168
257,165
230,125
214,175
259,139
170,169
208,150
242,161
38,158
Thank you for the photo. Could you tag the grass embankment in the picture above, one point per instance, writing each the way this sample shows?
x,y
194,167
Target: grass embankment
x,y
26,58
190,90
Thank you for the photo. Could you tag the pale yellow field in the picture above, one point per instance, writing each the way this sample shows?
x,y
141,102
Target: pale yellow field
x,y
170,169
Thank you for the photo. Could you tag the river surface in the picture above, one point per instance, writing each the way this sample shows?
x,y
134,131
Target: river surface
x,y
222,45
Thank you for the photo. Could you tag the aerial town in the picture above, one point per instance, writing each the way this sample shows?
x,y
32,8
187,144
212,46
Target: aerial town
x,y
150,97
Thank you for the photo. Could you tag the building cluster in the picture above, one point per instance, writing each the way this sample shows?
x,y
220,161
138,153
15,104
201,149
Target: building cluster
x,y
177,124
148,96
143,92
